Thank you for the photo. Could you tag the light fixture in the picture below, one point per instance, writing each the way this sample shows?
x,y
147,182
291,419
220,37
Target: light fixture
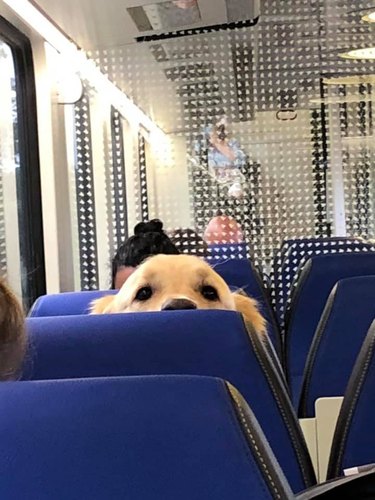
x,y
349,79
69,88
84,66
366,53
369,18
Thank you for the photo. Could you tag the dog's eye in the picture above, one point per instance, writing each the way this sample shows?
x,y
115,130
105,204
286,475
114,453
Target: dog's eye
x,y
209,292
144,293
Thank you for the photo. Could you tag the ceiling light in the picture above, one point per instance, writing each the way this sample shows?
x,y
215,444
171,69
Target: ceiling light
x,y
367,53
369,18
69,86
84,66
349,79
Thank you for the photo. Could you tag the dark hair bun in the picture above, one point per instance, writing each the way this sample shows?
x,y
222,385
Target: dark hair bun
x,y
153,226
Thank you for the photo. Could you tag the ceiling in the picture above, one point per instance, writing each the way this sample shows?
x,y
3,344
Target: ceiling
x,y
98,24
281,60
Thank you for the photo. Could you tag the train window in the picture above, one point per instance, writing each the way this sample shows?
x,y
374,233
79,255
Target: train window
x,y
9,162
21,238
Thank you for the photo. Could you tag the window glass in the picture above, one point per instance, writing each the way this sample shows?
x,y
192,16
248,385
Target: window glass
x,y
10,262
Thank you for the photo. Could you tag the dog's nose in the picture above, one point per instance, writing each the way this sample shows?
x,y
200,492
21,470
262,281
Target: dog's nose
x,y
178,304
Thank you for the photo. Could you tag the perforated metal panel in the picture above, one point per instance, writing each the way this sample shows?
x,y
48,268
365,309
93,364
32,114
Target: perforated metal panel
x,y
85,197
3,253
117,183
298,158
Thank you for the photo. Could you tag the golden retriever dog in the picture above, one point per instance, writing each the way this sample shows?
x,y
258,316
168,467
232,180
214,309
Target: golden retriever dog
x,y
173,282
12,334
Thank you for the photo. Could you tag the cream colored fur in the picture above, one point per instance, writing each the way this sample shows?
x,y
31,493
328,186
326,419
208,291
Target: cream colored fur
x,y
178,277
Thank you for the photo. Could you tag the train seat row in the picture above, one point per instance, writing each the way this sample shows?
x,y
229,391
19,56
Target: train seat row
x,y
313,284
329,302
141,438
292,255
210,343
317,278
151,436
318,265
346,319
238,273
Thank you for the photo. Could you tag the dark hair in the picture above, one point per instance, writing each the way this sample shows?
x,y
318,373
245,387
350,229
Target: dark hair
x,y
149,239
188,241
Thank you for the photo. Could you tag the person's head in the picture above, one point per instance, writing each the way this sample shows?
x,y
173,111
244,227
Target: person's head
x,y
149,239
188,241
223,229
12,334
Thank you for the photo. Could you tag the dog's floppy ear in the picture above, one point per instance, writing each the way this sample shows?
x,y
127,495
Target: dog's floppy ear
x,y
102,305
249,309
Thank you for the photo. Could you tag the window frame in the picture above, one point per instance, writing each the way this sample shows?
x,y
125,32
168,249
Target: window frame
x,y
29,199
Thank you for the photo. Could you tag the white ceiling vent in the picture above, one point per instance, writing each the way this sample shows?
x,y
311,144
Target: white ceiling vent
x,y
171,15
167,15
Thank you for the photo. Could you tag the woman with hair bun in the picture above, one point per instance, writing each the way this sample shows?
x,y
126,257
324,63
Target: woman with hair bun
x,y
149,239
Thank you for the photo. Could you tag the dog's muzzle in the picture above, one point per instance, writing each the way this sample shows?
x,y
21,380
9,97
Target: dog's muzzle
x,y
178,304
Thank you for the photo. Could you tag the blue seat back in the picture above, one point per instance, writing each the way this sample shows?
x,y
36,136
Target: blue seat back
x,y
315,283
346,318
211,343
240,273
282,251
354,439
67,303
300,250
138,438
237,273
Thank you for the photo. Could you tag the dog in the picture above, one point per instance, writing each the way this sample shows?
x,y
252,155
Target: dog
x,y
175,282
12,334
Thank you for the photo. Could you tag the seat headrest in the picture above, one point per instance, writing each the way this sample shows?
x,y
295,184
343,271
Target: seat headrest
x,y
67,303
138,438
309,297
347,315
353,441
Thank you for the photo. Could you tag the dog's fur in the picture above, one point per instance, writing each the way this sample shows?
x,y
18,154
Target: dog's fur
x,y
165,280
12,334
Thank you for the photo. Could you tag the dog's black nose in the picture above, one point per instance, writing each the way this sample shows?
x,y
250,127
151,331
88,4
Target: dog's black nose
x,y
178,304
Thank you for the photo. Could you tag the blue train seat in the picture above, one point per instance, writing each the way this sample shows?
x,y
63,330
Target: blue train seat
x,y
206,343
66,303
237,273
241,274
354,439
139,438
299,251
346,318
318,277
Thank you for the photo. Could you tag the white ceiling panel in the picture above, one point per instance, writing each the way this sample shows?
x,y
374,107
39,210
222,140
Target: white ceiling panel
x,y
106,23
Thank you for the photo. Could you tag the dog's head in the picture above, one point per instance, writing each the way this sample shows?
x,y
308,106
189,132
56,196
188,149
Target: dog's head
x,y
171,282
167,282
